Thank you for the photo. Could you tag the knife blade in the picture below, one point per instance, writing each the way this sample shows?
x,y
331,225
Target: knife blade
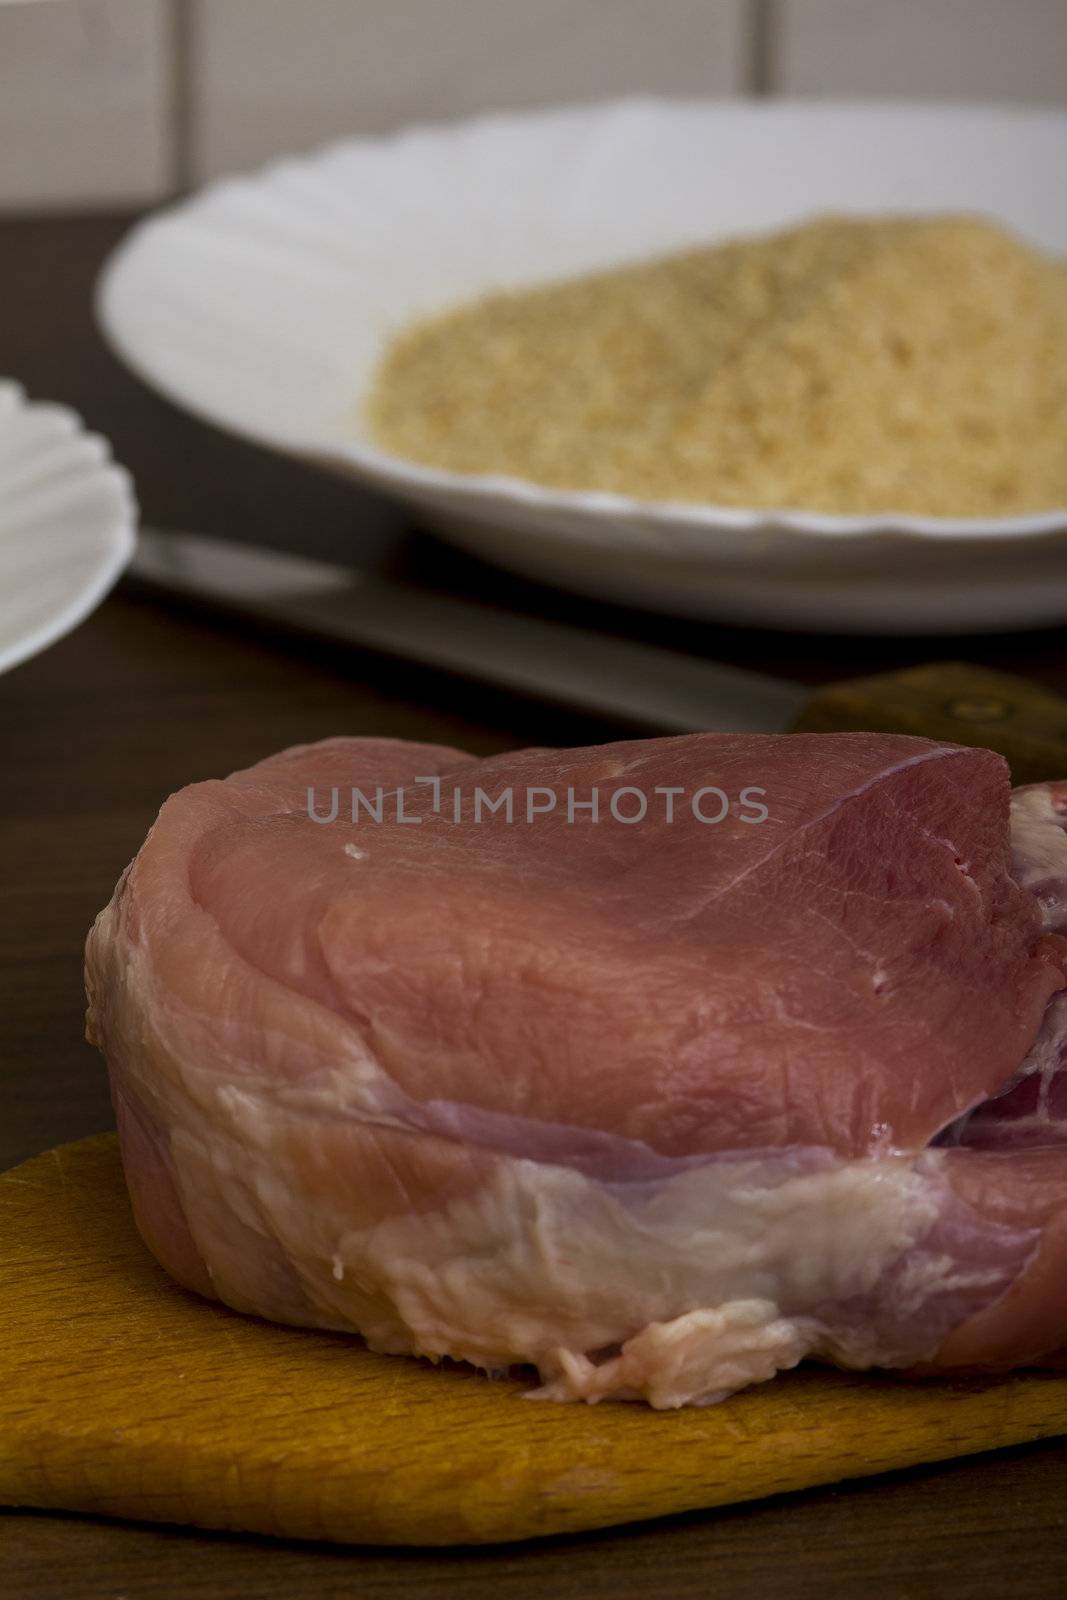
x,y
658,690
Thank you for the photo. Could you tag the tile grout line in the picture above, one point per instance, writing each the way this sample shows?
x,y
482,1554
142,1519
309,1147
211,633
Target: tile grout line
x,y
761,47
182,94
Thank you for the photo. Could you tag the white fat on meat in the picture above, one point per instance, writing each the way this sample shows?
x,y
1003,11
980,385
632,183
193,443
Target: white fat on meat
x,y
675,1288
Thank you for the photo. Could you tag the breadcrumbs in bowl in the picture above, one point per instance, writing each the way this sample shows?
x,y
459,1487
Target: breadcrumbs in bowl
x,y
912,365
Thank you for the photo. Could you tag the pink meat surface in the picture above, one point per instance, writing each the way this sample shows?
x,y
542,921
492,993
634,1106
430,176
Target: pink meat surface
x,y
657,1106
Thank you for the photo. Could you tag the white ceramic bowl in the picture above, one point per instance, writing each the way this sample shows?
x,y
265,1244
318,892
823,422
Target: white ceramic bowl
x,y
67,521
263,304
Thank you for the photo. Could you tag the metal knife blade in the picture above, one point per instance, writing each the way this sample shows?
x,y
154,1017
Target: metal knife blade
x,y
594,672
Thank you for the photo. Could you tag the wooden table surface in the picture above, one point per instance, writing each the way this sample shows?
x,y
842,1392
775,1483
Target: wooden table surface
x,y
143,698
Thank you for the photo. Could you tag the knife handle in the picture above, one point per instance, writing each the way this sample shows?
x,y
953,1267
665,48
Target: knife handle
x,y
951,700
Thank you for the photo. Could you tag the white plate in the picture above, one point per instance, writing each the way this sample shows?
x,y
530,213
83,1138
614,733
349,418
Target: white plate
x,y
67,520
264,304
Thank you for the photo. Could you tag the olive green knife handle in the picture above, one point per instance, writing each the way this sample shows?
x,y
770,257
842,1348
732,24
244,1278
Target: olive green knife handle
x,y
954,701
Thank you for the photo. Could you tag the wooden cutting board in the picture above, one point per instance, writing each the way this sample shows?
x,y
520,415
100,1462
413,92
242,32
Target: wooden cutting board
x,y
122,1394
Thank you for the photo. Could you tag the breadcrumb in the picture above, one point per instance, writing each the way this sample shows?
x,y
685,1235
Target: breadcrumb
x,y
916,365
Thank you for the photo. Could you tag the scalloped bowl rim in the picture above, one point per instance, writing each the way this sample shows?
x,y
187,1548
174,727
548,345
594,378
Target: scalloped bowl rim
x,y
119,535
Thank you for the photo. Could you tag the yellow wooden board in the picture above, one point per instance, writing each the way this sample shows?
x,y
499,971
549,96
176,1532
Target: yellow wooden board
x,y
122,1394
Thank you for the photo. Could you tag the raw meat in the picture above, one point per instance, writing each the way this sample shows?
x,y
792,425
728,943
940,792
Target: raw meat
x,y
657,1106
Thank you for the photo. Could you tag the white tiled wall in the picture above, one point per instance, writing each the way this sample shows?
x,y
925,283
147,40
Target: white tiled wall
x,y
85,102
281,74
116,101
978,49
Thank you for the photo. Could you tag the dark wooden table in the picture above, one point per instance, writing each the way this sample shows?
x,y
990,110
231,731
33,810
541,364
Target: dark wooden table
x,y
143,698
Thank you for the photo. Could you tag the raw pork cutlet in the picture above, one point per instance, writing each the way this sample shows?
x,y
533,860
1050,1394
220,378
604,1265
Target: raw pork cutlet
x,y
657,1107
